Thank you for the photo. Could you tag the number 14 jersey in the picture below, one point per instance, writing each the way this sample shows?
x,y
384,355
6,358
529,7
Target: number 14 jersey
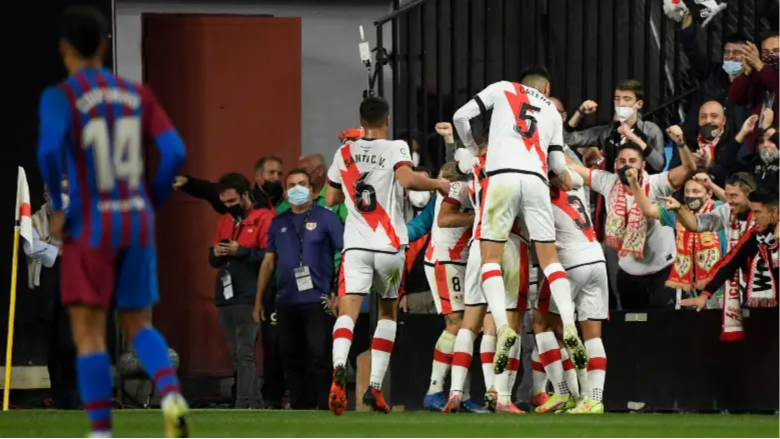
x,y
365,171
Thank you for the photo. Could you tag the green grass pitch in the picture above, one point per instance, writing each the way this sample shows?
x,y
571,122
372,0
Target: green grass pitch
x,y
240,423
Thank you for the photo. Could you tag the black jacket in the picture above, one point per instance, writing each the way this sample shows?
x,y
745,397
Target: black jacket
x,y
209,191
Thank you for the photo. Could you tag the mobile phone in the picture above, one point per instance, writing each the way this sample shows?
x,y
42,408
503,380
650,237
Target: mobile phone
x,y
224,241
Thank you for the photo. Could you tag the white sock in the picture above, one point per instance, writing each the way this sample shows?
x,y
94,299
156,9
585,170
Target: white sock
x,y
597,368
538,373
342,340
550,357
505,380
495,292
467,387
570,375
560,289
381,347
442,361
514,364
487,349
461,359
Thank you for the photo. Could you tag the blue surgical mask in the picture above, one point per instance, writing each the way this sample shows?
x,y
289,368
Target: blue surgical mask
x,y
298,195
733,68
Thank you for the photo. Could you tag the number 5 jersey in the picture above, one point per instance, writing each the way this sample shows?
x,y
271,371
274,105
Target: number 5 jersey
x,y
365,171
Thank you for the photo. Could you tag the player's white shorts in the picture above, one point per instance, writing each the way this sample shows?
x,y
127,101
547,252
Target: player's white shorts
x,y
447,282
515,270
510,195
589,292
365,271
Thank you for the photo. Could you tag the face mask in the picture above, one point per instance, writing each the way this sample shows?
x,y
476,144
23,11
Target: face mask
x,y
622,174
768,154
624,113
772,60
298,195
733,68
274,190
419,199
65,202
236,211
694,203
709,131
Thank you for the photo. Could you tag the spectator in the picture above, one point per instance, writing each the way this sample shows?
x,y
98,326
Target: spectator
x,y
444,129
714,78
759,77
762,162
585,108
697,253
646,250
266,193
236,253
627,127
301,245
43,269
314,166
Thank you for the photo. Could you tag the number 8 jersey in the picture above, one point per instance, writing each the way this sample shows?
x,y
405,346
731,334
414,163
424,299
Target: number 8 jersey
x,y
365,171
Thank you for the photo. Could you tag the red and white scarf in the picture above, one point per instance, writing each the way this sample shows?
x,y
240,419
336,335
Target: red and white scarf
x,y
626,229
709,146
732,329
697,255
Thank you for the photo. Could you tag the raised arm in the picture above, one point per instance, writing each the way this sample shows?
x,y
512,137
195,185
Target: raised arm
x,y
678,175
648,208
481,103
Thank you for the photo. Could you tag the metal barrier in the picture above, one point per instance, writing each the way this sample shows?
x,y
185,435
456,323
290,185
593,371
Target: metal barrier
x,y
444,51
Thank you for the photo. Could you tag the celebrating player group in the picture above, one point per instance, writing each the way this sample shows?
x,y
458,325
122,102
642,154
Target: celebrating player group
x,y
511,206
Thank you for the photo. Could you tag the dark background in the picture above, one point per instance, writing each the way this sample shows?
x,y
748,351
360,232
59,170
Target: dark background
x,y
32,62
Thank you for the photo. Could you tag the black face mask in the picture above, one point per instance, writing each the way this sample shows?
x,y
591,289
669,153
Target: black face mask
x,y
708,132
622,174
694,203
274,191
236,211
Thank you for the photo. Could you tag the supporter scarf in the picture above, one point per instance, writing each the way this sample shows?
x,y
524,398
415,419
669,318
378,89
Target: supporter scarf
x,y
732,329
697,254
709,147
762,290
626,228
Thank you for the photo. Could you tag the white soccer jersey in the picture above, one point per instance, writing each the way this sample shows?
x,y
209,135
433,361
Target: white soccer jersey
x,y
365,171
523,127
450,244
576,240
475,193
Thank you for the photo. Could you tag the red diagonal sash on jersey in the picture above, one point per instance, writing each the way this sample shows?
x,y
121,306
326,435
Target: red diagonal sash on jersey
x,y
350,176
516,102
460,245
562,201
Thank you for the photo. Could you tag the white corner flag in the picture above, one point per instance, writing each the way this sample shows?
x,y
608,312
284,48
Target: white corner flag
x,y
23,211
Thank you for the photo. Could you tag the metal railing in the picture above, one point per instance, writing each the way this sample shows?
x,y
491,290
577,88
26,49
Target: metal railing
x,y
442,52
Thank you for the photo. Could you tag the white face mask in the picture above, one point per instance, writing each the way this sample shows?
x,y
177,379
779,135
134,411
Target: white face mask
x,y
419,199
624,113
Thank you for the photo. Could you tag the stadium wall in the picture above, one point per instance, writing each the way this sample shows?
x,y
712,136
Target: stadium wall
x,y
333,77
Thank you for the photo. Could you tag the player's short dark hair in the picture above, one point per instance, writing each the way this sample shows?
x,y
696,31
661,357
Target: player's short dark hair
x,y
84,28
633,147
298,171
236,181
260,164
535,72
765,195
736,38
373,112
634,86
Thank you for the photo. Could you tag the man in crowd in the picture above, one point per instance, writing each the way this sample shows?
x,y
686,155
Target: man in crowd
x,y
646,250
302,243
266,193
765,164
43,270
759,76
370,175
314,166
627,127
237,252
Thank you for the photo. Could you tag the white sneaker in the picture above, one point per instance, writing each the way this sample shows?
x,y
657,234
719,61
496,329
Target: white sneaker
x,y
507,337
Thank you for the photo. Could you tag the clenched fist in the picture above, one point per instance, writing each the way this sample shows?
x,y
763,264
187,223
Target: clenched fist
x,y
676,134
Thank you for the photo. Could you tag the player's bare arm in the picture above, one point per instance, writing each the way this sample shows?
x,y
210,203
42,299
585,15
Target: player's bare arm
x,y
678,175
267,269
410,180
333,196
648,208
450,217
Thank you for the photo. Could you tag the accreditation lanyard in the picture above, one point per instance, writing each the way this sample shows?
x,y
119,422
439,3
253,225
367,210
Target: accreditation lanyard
x,y
300,235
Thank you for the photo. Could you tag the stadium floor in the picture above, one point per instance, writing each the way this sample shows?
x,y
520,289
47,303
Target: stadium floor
x,y
239,423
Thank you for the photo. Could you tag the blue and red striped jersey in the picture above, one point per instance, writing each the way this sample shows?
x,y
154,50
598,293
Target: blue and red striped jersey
x,y
94,124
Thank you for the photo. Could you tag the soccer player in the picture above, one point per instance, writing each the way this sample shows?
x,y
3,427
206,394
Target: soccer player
x,y
97,121
525,129
445,269
580,253
369,175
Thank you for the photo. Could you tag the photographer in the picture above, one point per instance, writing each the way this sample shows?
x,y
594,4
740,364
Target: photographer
x,y
237,252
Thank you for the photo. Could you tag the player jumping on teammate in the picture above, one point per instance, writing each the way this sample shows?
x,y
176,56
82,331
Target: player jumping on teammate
x,y
98,120
369,176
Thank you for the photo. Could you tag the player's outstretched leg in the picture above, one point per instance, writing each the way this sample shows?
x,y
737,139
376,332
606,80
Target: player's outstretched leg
x,y
153,354
342,341
381,348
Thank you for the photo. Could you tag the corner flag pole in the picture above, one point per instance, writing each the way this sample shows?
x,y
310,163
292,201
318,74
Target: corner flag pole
x,y
23,229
